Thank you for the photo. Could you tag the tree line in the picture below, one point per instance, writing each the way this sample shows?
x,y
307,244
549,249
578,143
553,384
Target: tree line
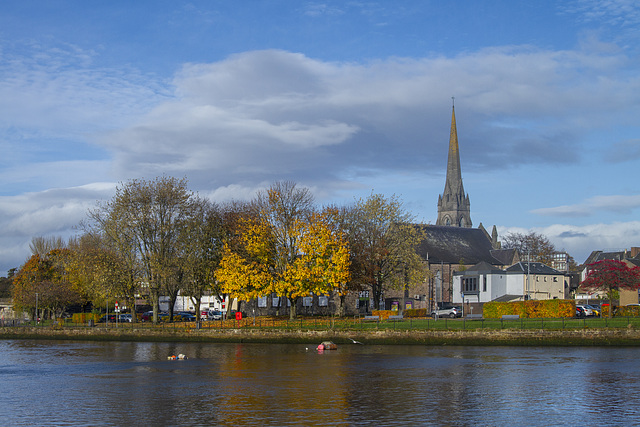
x,y
158,238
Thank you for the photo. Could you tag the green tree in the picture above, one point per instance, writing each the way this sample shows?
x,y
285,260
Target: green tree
x,y
6,283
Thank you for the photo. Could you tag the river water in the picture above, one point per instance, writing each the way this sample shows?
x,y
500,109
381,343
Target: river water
x,y
65,383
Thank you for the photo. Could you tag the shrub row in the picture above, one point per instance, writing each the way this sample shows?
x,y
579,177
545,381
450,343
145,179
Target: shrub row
x,y
530,309
85,317
415,312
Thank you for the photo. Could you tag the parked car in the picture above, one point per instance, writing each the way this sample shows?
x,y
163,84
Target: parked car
x,y
214,315
126,317
595,309
588,312
111,318
147,316
452,312
184,317
580,312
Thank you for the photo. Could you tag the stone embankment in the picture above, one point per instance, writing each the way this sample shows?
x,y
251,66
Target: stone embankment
x,y
510,337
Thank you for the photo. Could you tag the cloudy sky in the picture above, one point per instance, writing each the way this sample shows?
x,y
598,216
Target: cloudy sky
x,y
345,97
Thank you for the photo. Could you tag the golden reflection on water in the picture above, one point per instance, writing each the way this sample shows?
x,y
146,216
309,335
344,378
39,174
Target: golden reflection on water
x,y
89,383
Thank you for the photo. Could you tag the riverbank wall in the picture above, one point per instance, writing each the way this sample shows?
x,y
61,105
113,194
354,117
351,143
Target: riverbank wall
x,y
506,337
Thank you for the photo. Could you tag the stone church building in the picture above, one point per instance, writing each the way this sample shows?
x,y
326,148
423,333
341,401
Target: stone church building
x,y
452,244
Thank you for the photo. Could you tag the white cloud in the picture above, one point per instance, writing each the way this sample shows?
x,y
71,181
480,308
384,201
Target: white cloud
x,y
623,204
235,125
54,212
580,241
259,115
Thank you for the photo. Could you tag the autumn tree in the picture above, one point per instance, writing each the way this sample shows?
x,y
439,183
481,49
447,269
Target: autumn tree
x,y
42,282
280,209
383,239
285,248
103,271
609,276
144,221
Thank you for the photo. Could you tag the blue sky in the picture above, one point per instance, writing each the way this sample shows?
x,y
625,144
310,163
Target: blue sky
x,y
345,97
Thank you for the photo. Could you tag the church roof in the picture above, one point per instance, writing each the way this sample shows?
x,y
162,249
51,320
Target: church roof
x,y
453,245
505,256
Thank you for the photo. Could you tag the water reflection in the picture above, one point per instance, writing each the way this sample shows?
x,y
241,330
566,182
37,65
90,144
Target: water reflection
x,y
86,383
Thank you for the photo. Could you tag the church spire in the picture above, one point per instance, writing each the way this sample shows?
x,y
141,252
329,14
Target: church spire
x,y
453,205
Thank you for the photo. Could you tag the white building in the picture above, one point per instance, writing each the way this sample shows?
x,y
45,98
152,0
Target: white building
x,y
484,282
184,303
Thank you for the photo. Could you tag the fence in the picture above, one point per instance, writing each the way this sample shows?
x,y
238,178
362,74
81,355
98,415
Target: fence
x,y
356,323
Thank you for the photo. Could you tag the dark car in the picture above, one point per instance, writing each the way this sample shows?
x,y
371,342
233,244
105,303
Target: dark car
x,y
147,316
185,317
126,317
580,312
111,318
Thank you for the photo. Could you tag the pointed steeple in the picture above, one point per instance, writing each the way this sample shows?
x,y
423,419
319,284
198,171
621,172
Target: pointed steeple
x,y
453,205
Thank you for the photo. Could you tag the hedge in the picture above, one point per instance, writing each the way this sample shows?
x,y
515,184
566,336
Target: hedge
x,y
530,309
415,312
85,317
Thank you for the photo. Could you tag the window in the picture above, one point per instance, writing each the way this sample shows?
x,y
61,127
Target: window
x,y
307,301
323,301
469,284
262,302
484,283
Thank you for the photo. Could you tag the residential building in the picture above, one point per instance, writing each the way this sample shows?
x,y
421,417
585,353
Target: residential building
x,y
630,257
484,282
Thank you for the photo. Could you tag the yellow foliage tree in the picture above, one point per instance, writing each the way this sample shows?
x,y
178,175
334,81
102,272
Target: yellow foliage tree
x,y
319,266
244,271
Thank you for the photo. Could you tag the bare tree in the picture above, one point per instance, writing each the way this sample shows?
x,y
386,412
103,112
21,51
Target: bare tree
x,y
200,249
43,245
145,219
532,246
